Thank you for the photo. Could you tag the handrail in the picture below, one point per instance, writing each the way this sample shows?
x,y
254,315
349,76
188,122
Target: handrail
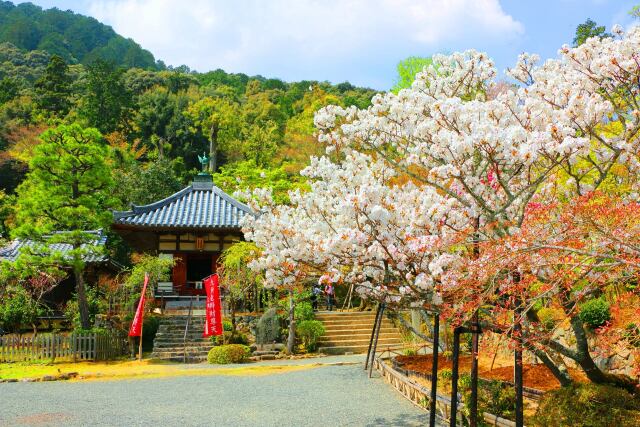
x,y
186,330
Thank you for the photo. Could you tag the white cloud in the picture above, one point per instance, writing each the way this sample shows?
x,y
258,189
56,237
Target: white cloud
x,y
289,38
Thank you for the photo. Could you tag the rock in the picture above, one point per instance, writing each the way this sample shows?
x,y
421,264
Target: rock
x,y
268,357
624,353
11,380
49,378
279,346
253,347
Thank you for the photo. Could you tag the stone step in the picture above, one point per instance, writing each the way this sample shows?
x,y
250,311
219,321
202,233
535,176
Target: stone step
x,y
354,348
354,338
180,344
351,326
356,342
366,331
178,349
180,357
334,315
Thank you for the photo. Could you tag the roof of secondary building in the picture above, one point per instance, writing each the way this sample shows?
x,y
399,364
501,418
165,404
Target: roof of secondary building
x,y
201,205
12,251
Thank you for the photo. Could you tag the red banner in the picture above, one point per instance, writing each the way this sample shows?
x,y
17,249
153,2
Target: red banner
x,y
213,323
136,325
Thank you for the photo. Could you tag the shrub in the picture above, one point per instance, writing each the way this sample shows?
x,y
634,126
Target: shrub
x,y
149,329
595,312
309,331
444,375
227,326
17,309
268,327
497,398
230,353
96,306
549,317
410,352
583,405
230,338
303,311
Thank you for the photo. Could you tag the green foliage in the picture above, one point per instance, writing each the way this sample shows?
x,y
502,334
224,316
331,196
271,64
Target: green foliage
x,y
230,337
588,405
74,37
67,192
106,101
95,305
549,317
230,353
246,175
150,327
158,268
444,375
8,89
595,312
303,311
227,326
309,331
53,89
589,29
268,327
17,309
141,184
407,70
410,352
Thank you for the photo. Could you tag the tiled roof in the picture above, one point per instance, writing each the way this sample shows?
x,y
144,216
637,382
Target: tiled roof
x,y
200,205
12,251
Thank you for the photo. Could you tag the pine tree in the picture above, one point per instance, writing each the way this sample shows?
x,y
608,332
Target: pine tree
x,y
53,89
67,193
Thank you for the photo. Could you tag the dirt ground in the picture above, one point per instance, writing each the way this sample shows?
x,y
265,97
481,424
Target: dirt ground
x,y
535,376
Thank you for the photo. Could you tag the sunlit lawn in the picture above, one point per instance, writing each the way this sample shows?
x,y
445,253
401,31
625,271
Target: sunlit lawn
x,y
133,369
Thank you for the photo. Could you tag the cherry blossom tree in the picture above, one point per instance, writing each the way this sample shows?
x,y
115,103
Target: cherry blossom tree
x,y
450,194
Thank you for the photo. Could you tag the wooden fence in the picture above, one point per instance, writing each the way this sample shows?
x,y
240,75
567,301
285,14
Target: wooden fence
x,y
420,396
74,347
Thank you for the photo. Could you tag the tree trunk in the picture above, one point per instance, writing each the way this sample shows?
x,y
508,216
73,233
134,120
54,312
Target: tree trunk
x,y
83,305
595,374
291,340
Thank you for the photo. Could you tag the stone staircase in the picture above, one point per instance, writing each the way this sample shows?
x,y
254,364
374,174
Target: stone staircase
x,y
350,332
169,341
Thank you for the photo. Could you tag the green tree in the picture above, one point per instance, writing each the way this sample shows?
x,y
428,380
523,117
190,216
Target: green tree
x,y
238,279
66,193
107,101
53,89
407,70
8,89
220,120
589,29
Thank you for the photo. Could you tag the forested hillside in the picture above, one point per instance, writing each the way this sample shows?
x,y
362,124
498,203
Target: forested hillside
x,y
154,123
75,38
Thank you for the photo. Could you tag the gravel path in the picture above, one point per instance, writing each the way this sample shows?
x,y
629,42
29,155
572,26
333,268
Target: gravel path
x,y
333,395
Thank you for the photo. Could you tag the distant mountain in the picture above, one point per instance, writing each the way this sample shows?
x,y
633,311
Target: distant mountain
x,y
76,38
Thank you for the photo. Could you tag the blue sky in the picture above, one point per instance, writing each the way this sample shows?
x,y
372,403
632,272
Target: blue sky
x,y
359,41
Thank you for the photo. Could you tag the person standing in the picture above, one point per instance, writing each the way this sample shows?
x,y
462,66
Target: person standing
x,y
329,293
315,294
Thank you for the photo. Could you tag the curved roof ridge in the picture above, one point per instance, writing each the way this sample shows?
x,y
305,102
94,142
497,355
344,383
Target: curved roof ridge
x,y
137,209
231,200
204,206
